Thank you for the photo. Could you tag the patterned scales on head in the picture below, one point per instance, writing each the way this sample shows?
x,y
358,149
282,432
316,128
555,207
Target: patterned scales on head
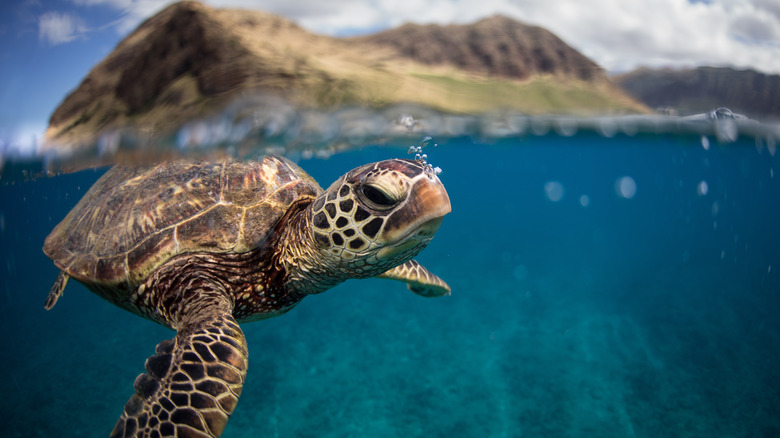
x,y
199,246
350,229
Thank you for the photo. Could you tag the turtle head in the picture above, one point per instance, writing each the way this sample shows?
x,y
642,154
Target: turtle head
x,y
378,216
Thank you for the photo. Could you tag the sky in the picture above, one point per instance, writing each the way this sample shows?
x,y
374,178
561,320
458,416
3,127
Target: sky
x,y
48,46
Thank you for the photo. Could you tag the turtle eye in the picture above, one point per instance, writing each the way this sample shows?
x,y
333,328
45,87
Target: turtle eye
x,y
376,198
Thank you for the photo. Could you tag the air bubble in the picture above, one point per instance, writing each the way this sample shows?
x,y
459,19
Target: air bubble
x,y
705,142
520,272
625,187
702,188
554,191
423,158
722,114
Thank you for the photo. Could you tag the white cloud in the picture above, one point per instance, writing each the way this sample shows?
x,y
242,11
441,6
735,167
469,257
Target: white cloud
x,y
617,34
133,12
756,28
136,11
55,28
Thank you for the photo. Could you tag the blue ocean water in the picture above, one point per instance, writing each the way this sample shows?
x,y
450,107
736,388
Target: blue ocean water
x,y
601,287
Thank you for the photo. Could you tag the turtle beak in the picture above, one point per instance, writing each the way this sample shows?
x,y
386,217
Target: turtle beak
x,y
423,212
431,201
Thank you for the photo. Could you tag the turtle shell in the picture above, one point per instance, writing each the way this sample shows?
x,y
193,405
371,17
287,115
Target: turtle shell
x,y
134,219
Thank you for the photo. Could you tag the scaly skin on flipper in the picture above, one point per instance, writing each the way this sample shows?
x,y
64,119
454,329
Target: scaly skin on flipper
x,y
193,383
418,279
56,290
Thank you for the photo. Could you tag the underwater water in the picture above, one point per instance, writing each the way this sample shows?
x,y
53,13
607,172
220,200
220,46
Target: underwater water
x,y
624,286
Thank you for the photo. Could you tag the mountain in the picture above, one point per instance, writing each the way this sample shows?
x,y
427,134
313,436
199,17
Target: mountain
x,y
185,57
703,89
497,46
190,60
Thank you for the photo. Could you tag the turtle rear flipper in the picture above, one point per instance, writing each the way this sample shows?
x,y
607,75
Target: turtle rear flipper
x,y
192,383
418,279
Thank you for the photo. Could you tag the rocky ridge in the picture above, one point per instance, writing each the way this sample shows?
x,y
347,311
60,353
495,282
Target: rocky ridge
x,y
497,46
699,90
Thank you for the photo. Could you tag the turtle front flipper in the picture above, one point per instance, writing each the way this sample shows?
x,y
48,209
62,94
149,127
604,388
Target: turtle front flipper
x,y
56,290
418,279
192,382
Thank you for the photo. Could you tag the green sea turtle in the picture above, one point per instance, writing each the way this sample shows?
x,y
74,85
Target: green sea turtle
x,y
201,246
